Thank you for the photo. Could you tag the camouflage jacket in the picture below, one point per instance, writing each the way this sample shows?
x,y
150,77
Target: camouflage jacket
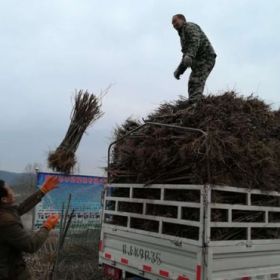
x,y
14,239
195,43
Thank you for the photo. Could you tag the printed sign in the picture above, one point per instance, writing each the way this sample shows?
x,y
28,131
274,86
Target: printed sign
x,y
85,199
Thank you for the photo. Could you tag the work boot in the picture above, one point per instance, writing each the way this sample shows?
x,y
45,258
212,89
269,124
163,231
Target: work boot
x,y
193,101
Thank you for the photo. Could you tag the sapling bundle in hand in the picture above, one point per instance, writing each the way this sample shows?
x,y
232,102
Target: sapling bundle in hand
x,y
87,109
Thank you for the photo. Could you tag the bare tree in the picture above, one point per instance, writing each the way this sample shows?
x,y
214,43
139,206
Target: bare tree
x,y
26,182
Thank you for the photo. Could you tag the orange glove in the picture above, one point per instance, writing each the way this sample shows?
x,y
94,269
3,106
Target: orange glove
x,y
50,184
51,221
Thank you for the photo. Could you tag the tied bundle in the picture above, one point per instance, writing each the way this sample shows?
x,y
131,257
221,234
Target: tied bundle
x,y
87,109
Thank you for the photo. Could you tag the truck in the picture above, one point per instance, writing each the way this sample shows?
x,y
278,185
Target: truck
x,y
189,232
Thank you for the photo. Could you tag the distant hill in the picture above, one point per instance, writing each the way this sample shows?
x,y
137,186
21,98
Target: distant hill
x,y
22,183
10,177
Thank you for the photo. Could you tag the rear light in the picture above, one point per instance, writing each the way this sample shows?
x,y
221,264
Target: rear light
x,y
147,268
124,261
100,246
164,273
198,272
183,278
108,256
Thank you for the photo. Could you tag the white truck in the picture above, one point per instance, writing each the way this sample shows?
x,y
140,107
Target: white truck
x,y
189,232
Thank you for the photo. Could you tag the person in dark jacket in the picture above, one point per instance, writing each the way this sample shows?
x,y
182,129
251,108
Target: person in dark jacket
x,y
198,54
14,239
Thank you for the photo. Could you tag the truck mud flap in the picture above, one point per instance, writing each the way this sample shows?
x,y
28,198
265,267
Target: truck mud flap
x,y
111,272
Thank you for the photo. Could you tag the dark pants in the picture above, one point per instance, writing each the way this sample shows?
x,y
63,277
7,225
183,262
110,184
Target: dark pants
x,y
200,72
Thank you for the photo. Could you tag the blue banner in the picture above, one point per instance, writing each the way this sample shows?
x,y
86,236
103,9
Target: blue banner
x,y
85,198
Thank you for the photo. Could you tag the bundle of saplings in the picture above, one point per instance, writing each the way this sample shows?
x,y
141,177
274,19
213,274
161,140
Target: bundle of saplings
x,y
240,147
86,110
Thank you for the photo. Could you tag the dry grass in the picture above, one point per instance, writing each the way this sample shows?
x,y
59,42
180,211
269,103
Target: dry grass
x,y
79,259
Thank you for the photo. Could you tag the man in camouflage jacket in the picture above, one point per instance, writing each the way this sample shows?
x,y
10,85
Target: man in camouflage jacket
x,y
14,239
198,54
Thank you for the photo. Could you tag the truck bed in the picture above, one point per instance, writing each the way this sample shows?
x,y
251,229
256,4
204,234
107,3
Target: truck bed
x,y
191,232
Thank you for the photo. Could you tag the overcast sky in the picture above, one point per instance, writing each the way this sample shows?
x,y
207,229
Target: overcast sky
x,y
50,48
